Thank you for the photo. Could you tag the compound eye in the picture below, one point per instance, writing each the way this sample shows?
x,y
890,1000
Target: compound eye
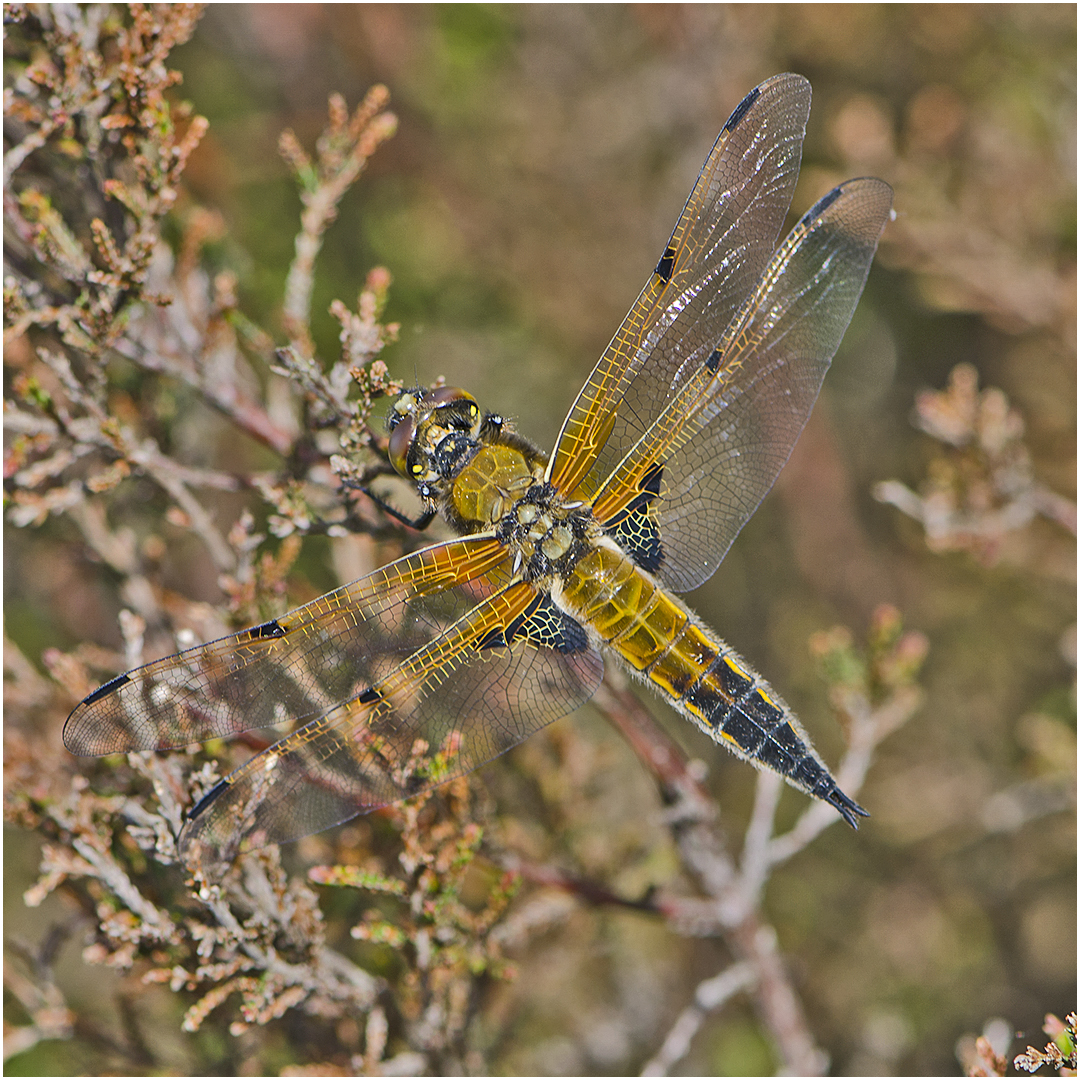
x,y
460,406
445,395
401,440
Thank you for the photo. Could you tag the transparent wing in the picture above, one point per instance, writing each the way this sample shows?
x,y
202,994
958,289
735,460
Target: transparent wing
x,y
717,252
293,668
510,665
695,475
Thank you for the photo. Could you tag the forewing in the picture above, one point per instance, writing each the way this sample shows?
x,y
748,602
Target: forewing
x,y
293,668
509,666
720,246
694,478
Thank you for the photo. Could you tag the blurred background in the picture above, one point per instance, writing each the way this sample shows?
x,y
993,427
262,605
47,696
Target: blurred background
x,y
542,157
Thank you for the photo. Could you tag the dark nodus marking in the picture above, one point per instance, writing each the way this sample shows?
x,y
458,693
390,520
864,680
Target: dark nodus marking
x,y
666,265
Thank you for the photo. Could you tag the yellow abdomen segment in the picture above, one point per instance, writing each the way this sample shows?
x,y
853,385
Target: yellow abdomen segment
x,y
706,681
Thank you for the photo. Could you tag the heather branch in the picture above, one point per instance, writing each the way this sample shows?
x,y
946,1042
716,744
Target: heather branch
x,y
983,487
94,273
178,330
1059,1053
342,151
41,999
448,944
73,81
96,429
710,995
70,96
293,910
154,347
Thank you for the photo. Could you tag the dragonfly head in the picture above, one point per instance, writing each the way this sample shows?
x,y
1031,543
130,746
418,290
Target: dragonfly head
x,y
433,433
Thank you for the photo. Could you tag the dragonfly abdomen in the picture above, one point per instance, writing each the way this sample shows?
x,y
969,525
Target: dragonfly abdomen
x,y
733,705
660,638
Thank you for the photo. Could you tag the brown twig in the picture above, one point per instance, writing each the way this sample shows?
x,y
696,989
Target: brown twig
x,y
732,913
341,154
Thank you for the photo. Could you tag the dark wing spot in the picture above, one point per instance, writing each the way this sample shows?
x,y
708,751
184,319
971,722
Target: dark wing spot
x,y
271,629
821,205
545,624
742,109
666,264
107,689
634,530
207,799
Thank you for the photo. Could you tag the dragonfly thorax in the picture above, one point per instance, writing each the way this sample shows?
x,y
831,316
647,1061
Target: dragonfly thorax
x,y
547,535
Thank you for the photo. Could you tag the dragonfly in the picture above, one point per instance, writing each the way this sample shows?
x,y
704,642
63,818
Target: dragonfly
x,y
447,657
